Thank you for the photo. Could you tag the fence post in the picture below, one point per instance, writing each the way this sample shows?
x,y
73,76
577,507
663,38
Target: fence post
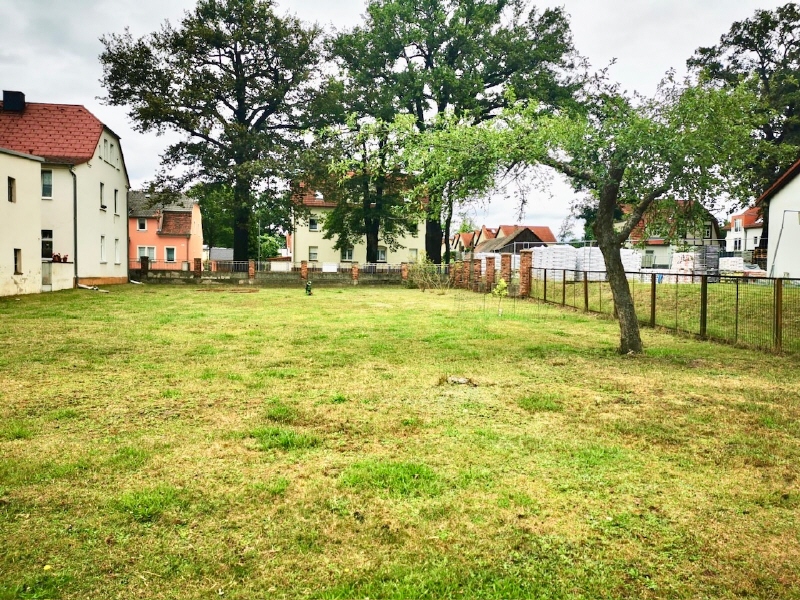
x,y
144,261
251,269
525,265
490,272
505,267
476,272
585,291
304,270
354,273
544,285
404,271
563,287
703,306
777,326
653,300
198,267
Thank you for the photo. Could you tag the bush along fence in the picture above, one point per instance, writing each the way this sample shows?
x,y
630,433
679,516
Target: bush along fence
x,y
268,274
759,313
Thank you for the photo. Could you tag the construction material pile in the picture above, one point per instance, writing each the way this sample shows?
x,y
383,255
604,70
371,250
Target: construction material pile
x,y
591,261
559,261
731,265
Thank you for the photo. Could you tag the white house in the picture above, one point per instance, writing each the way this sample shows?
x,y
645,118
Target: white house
x,y
744,231
308,241
783,245
83,188
20,218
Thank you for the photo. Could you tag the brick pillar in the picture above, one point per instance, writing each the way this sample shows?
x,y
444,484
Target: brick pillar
x,y
490,274
251,269
525,264
476,273
455,275
198,267
404,271
505,267
304,270
145,262
354,273
213,266
465,274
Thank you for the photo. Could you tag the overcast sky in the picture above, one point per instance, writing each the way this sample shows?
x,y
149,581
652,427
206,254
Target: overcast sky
x,y
49,51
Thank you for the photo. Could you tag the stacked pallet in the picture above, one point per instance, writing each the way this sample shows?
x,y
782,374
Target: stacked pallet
x,y
682,268
556,260
592,262
734,264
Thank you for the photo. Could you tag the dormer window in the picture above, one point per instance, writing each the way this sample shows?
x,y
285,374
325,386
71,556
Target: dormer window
x,y
141,225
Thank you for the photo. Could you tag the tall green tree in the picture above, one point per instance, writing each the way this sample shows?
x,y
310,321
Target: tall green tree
x,y
662,158
366,176
232,78
763,52
215,202
433,56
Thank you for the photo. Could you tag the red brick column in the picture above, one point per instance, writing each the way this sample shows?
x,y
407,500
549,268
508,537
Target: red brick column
x,y
354,273
490,272
476,273
525,264
145,262
505,267
213,266
455,274
198,268
251,269
304,269
404,271
465,274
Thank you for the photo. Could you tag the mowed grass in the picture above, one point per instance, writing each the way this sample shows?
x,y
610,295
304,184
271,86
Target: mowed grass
x,y
162,442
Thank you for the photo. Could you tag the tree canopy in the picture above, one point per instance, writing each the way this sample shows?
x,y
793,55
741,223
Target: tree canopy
x,y
232,78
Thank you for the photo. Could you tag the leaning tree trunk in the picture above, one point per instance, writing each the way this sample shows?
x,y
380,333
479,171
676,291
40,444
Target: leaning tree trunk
x,y
630,339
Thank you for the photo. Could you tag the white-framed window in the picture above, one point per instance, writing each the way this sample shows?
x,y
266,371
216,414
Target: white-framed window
x,y
102,248
112,156
381,254
737,225
141,224
313,252
313,224
17,261
707,232
102,196
755,241
116,252
116,202
47,184
148,251
105,150
12,189
47,243
347,254
737,245
413,255
169,254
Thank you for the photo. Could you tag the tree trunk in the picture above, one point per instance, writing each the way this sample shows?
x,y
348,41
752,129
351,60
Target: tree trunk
x,y
448,221
241,221
372,227
433,240
630,339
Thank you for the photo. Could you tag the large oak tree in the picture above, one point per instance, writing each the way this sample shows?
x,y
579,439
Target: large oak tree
x,y
232,77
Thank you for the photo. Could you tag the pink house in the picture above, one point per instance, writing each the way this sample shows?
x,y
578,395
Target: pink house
x,y
171,235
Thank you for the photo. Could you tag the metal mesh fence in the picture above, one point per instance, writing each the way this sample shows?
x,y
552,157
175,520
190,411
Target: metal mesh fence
x,y
754,312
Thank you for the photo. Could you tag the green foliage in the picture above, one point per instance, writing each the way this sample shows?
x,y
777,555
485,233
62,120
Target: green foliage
x,y
396,478
269,438
425,275
542,402
232,78
279,412
15,430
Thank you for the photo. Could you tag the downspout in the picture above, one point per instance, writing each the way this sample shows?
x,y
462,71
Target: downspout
x,y
74,221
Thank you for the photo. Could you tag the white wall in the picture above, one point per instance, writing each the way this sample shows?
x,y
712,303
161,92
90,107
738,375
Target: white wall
x,y
783,252
20,225
749,237
303,239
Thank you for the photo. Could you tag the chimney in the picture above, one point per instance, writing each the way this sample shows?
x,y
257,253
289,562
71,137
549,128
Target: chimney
x,y
13,101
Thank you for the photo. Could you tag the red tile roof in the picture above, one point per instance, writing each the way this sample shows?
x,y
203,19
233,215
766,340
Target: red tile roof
x,y
751,219
307,197
60,133
176,223
543,233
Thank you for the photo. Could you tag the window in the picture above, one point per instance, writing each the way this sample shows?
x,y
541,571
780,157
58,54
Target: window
x,y
105,150
312,253
12,189
347,255
47,184
737,225
755,241
148,251
381,254
116,202
737,245
313,225
102,248
116,251
141,225
102,196
47,243
413,254
707,233
169,254
17,261
112,155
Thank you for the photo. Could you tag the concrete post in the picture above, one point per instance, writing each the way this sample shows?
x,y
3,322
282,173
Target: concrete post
x,y
490,272
525,265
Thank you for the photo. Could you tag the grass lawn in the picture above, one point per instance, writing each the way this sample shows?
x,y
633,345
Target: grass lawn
x,y
175,442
